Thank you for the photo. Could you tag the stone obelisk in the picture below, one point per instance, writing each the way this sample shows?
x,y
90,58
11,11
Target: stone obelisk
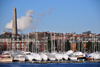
x,y
14,24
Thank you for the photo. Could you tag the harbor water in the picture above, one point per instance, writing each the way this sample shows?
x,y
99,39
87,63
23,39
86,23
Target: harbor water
x,y
25,64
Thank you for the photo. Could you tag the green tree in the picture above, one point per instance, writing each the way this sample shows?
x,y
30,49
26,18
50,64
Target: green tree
x,y
56,48
77,47
49,45
67,45
80,46
97,46
30,46
89,46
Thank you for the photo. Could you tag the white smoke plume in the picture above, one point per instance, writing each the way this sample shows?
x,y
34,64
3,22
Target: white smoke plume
x,y
26,21
51,10
22,22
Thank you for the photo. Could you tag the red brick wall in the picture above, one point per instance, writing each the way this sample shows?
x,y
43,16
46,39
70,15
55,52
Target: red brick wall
x,y
73,48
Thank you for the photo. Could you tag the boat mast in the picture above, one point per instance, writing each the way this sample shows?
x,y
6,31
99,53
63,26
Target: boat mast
x,y
64,41
51,41
85,41
22,42
73,41
44,41
25,41
28,42
94,43
7,44
17,42
54,41
32,44
61,42
36,41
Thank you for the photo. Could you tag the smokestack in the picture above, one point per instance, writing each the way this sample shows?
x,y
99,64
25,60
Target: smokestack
x,y
14,24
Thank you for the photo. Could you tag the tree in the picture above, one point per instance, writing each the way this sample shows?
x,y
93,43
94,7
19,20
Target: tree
x,y
89,46
80,46
30,46
97,46
77,46
49,45
67,45
56,48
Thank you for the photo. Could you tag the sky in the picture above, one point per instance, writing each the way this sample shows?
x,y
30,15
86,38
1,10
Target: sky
x,y
64,16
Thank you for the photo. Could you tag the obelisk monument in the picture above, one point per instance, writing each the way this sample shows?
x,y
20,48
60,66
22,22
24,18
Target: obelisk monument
x,y
14,24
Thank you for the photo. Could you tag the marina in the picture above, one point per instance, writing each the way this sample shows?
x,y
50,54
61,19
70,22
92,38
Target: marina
x,y
51,33
72,57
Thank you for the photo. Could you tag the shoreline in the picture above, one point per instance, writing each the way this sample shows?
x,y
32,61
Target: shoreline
x,y
45,62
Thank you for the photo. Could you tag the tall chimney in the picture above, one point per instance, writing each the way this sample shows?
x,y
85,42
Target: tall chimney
x,y
14,24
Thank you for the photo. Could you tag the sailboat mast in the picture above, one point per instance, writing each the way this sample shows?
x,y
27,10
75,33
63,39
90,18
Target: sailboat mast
x,y
36,41
22,42
64,41
51,41
73,41
7,44
61,42
28,41
54,41
44,40
32,44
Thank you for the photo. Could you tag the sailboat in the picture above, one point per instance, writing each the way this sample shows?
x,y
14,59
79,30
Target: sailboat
x,y
51,55
28,56
6,57
17,55
36,56
43,54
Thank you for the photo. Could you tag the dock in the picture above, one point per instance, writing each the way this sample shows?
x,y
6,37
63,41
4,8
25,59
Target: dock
x,y
45,62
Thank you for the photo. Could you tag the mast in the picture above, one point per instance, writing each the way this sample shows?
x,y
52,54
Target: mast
x,y
51,41
54,41
28,42
85,39
44,40
73,41
36,41
32,44
17,42
64,41
22,42
7,44
61,42
94,44
58,43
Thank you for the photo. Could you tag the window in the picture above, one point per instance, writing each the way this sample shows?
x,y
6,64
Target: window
x,y
22,45
13,44
17,44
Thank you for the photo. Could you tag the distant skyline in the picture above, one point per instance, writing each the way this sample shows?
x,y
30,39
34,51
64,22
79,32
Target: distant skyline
x,y
64,16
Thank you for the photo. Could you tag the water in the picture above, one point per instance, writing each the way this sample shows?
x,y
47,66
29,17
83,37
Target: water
x,y
24,64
